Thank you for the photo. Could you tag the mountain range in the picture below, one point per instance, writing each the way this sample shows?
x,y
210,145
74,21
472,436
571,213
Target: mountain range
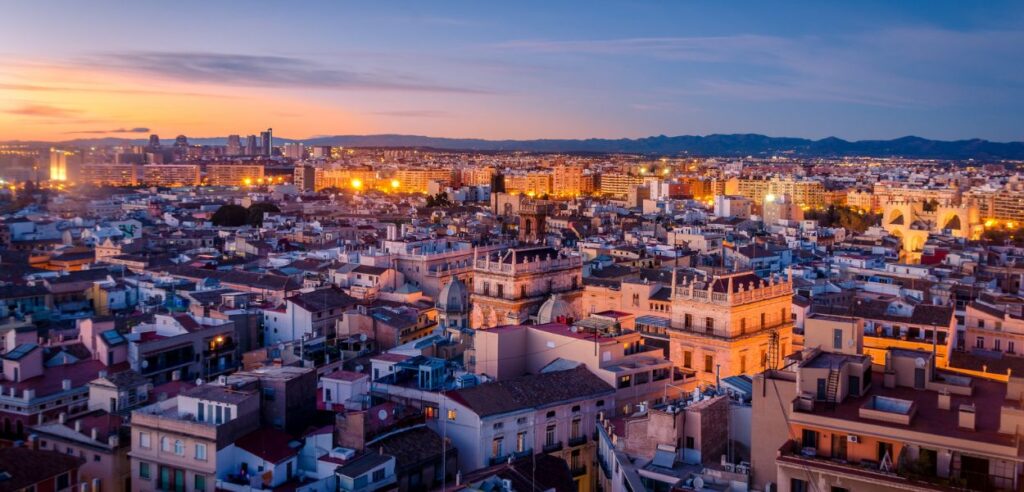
x,y
709,145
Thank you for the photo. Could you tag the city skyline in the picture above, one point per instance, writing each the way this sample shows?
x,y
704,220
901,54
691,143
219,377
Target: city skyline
x,y
943,71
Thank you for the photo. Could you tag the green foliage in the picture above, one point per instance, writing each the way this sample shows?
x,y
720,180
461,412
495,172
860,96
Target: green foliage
x,y
230,216
845,217
438,200
1003,235
256,211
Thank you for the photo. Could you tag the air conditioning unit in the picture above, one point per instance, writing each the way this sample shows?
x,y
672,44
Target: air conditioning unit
x,y
852,438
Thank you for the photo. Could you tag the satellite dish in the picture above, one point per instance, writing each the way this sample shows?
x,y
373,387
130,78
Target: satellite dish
x,y
698,483
919,362
362,337
382,414
145,363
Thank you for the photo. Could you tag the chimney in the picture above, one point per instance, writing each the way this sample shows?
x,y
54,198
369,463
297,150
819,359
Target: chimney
x,y
944,401
176,375
94,434
103,374
78,425
66,384
63,417
966,420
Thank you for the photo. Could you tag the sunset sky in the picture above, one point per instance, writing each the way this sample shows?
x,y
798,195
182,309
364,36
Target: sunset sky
x,y
945,70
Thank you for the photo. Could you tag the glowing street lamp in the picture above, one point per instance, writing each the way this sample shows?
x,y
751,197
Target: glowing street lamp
x,y
395,184
357,184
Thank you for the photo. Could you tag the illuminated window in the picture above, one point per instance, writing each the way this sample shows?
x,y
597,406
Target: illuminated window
x,y
452,414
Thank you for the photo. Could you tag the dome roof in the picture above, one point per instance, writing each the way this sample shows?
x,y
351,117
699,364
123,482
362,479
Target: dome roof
x,y
453,297
553,308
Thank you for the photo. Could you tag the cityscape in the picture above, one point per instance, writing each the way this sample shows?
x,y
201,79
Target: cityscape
x,y
645,247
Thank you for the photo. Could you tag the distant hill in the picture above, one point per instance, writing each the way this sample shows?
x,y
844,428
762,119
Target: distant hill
x,y
710,145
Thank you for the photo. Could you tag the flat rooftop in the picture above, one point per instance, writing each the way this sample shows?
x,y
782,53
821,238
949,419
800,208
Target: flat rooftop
x,y
988,399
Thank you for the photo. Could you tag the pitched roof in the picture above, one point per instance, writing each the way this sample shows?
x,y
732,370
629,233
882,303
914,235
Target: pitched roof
x,y
30,466
532,391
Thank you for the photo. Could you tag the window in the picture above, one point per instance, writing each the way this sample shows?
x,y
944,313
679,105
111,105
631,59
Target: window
x,y
688,321
743,363
63,481
797,485
1009,347
165,444
837,339
520,442
144,440
201,413
709,363
452,414
496,446
709,325
549,435
690,443
625,381
144,470
179,448
981,323
764,319
227,414
430,412
688,360
997,344
809,439
200,451
378,475
269,394
885,450
200,483
980,342
743,325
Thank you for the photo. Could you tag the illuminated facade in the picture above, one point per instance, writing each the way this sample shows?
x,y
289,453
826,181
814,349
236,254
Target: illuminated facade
x,y
618,184
234,174
722,325
170,174
531,183
567,180
59,164
416,180
509,287
111,174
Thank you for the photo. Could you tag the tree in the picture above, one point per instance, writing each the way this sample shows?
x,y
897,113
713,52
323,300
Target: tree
x,y
256,211
438,200
230,216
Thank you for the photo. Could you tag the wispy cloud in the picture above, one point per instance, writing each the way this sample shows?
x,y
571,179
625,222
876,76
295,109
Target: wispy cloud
x,y
266,71
415,113
898,68
99,90
42,111
140,129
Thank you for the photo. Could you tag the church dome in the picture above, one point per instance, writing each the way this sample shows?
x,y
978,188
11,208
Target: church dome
x,y
554,308
453,297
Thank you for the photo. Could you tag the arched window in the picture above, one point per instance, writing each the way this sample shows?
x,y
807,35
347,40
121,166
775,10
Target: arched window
x,y
179,448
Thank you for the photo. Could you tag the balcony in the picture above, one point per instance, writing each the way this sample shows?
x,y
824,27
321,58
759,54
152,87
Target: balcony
x,y
578,471
496,460
553,447
578,440
905,474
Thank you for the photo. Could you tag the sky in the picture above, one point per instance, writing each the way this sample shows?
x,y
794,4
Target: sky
x,y
516,70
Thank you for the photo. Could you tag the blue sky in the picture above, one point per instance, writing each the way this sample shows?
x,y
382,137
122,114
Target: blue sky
x,y
944,70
